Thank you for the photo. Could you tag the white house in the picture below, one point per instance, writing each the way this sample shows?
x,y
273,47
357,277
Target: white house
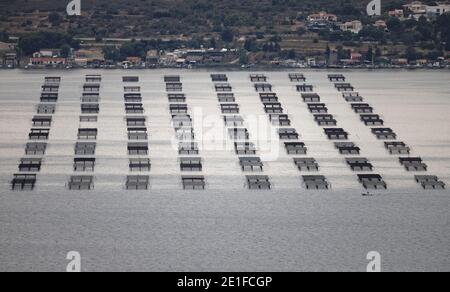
x,y
354,26
435,11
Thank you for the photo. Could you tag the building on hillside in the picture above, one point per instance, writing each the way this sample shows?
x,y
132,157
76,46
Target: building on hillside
x,y
7,47
397,13
195,56
47,62
356,56
88,58
399,62
433,12
380,24
47,53
215,56
416,7
322,16
132,62
152,58
354,26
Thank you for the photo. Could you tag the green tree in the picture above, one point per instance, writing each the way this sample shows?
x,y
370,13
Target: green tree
x,y
111,53
251,45
411,54
227,35
243,57
394,24
443,28
369,55
34,42
4,37
65,50
54,18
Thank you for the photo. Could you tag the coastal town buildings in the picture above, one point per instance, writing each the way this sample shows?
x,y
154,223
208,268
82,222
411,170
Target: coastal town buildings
x,y
354,26
323,16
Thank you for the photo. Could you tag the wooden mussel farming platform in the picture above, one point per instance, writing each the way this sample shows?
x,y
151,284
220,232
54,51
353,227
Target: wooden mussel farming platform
x,y
295,148
336,77
258,182
430,182
297,77
315,182
372,181
359,164
306,164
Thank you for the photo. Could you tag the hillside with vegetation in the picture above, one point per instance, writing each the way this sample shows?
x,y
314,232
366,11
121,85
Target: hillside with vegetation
x,y
260,30
141,18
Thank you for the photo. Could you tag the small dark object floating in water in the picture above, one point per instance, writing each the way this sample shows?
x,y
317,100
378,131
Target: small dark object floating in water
x,y
368,194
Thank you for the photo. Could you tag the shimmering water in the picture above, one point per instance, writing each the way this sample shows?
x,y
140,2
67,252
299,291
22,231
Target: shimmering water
x,y
227,227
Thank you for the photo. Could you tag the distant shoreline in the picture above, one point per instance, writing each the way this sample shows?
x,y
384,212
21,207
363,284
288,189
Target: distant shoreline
x,y
237,69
